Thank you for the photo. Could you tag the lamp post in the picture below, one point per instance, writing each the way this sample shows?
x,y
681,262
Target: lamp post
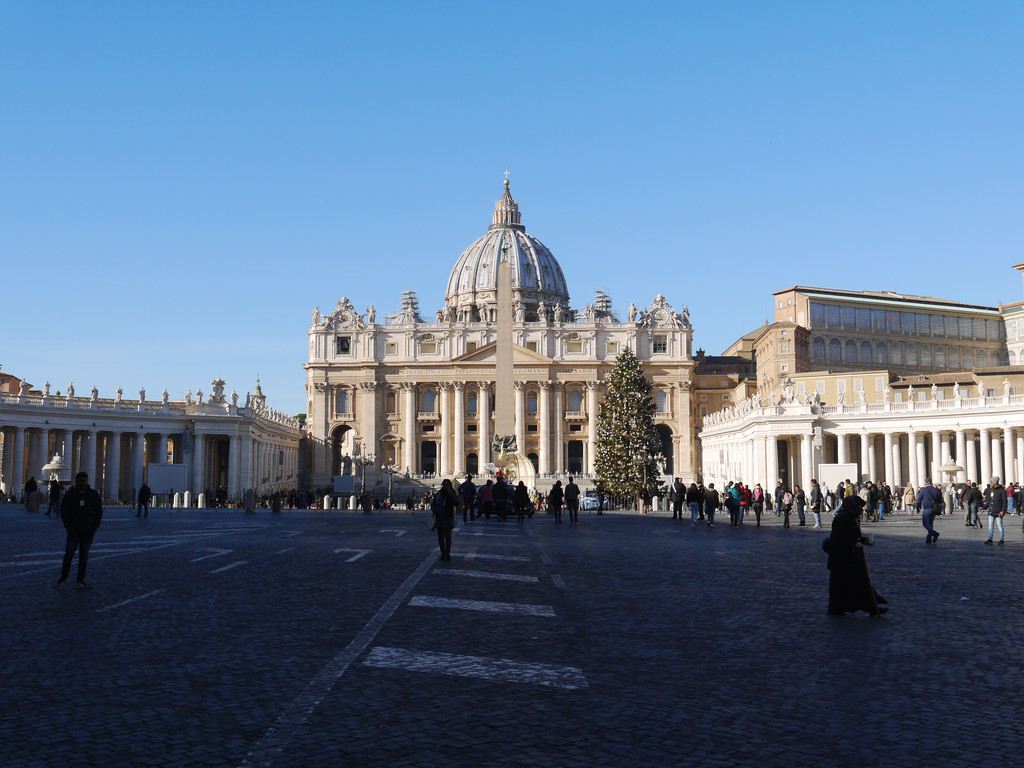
x,y
390,469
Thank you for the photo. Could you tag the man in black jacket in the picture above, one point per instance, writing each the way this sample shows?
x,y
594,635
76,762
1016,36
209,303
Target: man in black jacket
x,y
81,512
929,502
995,503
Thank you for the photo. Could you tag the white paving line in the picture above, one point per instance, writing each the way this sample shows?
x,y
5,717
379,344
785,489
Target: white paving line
x,y
289,534
282,551
216,553
488,575
359,553
297,713
497,670
545,559
424,601
500,535
130,600
558,581
229,567
492,557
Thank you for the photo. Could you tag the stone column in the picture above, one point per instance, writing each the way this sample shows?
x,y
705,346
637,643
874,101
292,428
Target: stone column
x,y
162,444
559,447
890,476
772,451
1010,463
912,474
66,447
484,423
18,469
409,415
972,460
897,463
865,468
444,459
7,467
139,456
1020,455
460,428
113,486
368,396
961,454
42,457
936,457
545,427
872,459
997,455
842,457
985,443
591,425
233,462
944,457
198,469
922,465
519,401
90,456
806,465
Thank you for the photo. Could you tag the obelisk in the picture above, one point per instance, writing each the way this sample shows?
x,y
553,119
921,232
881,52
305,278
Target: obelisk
x,y
504,409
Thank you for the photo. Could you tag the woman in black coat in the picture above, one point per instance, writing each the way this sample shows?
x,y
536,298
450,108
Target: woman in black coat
x,y
849,586
521,501
445,506
555,499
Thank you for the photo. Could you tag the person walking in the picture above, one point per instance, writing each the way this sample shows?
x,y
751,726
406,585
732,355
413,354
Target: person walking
x,y
711,503
972,502
778,493
54,492
849,585
757,502
572,502
678,498
501,493
785,504
995,504
521,501
143,501
910,499
467,492
929,501
485,499
555,498
600,497
81,511
816,501
884,500
445,505
800,499
693,503
732,503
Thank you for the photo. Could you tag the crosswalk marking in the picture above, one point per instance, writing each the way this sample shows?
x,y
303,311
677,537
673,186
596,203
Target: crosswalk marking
x,y
480,555
498,670
500,535
488,575
526,609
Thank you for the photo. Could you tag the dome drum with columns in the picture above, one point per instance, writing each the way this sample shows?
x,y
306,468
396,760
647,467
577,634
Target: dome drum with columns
x,y
417,393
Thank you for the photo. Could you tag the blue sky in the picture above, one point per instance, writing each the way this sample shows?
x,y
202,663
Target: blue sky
x,y
180,183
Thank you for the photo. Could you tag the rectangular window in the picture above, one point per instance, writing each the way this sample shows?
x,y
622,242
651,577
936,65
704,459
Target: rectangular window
x,y
785,368
575,427
849,317
896,351
926,354
858,385
532,346
940,357
660,345
879,384
864,319
819,387
990,393
531,403
911,354
979,329
428,347
832,316
922,396
924,325
574,347
952,328
613,347
897,397
993,329
938,325
892,321
390,348
801,388
817,315
531,427
909,322
703,411
784,346
703,398
471,427
878,319
343,345
471,346
725,397
841,385
471,404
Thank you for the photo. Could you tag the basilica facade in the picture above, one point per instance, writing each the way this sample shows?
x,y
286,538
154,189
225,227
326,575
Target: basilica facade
x,y
417,393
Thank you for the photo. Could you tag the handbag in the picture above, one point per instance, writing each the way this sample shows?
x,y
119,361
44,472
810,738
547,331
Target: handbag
x,y
433,522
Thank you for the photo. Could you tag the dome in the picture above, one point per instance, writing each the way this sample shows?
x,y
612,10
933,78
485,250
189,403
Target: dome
x,y
536,275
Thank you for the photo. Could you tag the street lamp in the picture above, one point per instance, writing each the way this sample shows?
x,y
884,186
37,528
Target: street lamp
x,y
390,469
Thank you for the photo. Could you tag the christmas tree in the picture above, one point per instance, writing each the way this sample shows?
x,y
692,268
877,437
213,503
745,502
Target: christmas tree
x,y
627,442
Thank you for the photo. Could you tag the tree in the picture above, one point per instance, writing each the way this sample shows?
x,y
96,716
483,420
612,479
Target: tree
x,y
627,442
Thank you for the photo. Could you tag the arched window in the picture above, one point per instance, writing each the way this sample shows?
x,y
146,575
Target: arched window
x,y
835,350
661,402
968,358
865,351
881,353
818,348
343,402
850,350
575,400
429,401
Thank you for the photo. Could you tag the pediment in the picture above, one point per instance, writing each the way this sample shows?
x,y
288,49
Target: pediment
x,y
488,354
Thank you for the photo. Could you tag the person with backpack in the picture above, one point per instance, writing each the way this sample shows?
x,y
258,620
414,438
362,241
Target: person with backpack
x,y
733,497
785,504
929,502
572,502
693,503
445,505
711,503
757,502
467,492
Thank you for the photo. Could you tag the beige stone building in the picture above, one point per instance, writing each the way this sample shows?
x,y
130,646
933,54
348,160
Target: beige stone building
x,y
418,393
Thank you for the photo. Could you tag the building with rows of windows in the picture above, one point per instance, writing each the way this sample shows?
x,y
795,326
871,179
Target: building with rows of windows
x,y
897,384
418,393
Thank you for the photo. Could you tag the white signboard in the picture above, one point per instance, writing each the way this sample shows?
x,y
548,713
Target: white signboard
x,y
165,478
830,475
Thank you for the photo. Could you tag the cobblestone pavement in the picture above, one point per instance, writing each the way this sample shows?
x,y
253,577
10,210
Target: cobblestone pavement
x,y
216,638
